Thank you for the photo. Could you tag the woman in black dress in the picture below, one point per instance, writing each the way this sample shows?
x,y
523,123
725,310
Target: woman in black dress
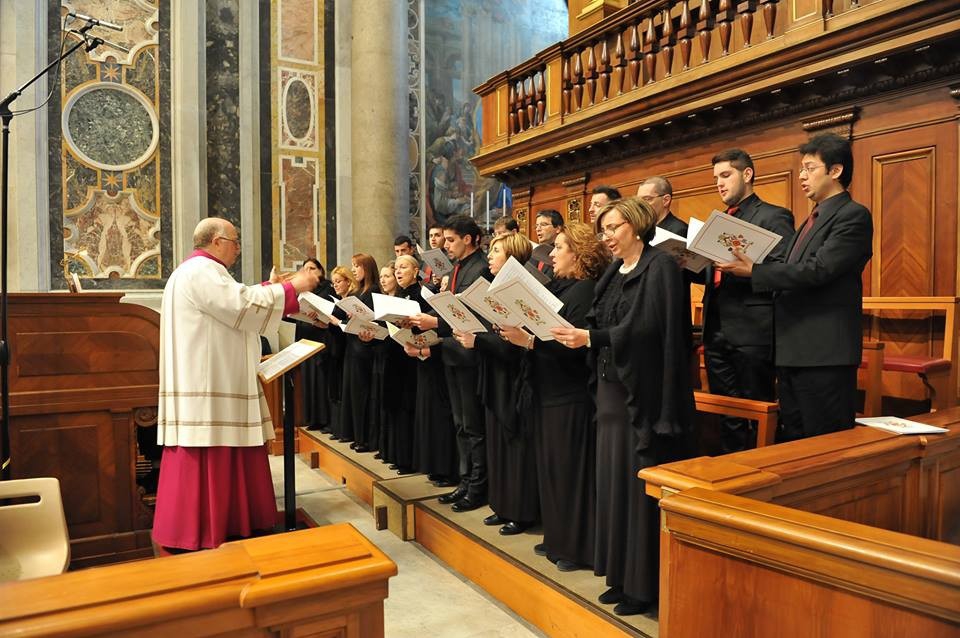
x,y
358,363
381,437
434,441
397,409
344,285
557,393
511,462
644,400
316,371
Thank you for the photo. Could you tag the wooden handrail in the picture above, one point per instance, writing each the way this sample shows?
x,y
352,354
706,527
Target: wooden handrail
x,y
256,584
763,412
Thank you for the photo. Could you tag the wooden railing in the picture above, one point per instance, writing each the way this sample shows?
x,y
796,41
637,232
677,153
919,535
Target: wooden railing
x,y
327,581
636,61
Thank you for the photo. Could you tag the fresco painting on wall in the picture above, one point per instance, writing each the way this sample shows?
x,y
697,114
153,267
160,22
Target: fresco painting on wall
x,y
465,43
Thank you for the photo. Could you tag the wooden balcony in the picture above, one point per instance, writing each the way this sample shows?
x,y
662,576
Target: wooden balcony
x,y
649,71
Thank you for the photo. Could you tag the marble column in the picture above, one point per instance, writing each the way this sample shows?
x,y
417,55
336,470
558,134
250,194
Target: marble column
x,y
23,52
379,154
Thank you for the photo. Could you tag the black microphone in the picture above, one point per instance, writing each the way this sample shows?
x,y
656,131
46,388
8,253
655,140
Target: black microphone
x,y
95,22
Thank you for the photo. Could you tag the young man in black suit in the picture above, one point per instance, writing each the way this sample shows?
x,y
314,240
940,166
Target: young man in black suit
x,y
818,295
462,242
738,321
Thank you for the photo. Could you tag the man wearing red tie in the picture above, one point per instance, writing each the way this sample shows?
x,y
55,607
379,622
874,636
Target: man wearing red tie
x,y
737,321
462,241
818,295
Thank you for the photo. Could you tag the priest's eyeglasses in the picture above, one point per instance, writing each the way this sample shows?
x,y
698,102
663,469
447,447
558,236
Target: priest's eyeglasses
x,y
234,240
607,231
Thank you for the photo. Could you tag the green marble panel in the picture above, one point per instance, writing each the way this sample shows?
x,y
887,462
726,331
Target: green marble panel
x,y
143,73
110,126
78,177
297,108
77,70
143,181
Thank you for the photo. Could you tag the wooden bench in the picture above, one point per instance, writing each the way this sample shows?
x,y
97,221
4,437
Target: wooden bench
x,y
937,373
763,412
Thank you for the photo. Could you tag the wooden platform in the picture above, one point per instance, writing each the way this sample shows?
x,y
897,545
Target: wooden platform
x,y
559,603
506,567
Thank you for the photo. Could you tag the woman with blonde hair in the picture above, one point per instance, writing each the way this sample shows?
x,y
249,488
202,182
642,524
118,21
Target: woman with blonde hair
x,y
511,463
637,345
344,285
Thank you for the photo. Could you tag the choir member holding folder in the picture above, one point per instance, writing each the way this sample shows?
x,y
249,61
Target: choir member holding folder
x,y
644,400
358,362
511,462
316,371
344,285
556,394
381,395
433,439
399,378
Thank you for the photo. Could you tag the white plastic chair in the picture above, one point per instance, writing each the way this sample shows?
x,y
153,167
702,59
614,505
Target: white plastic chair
x,y
33,536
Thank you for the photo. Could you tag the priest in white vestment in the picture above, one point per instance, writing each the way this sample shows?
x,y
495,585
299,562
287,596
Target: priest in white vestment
x,y
213,421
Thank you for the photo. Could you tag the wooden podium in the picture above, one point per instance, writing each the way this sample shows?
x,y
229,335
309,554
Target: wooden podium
x,y
83,378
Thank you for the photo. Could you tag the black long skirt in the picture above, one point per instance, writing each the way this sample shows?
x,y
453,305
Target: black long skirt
x,y
357,375
627,547
566,442
511,473
434,437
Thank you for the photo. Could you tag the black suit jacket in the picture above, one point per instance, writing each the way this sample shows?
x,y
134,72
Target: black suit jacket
x,y
745,316
540,258
470,269
819,297
677,226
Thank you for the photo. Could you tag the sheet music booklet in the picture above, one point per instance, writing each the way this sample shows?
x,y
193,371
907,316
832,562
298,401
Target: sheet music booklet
x,y
291,356
721,234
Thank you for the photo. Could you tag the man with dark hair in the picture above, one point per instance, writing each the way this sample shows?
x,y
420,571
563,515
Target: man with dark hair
x,y
434,240
402,245
738,321
548,226
818,295
600,197
462,241
505,226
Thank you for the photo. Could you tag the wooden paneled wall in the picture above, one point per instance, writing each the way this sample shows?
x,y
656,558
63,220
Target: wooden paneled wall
x,y
905,170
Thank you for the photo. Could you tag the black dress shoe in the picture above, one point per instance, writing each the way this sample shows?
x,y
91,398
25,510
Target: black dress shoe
x,y
354,445
454,496
567,565
630,607
493,519
402,471
612,595
540,549
378,456
467,504
512,528
445,482
434,477
393,466
362,449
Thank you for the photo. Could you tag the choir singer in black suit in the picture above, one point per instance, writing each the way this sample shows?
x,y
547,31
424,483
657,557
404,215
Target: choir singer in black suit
x,y
644,400
738,320
818,295
556,392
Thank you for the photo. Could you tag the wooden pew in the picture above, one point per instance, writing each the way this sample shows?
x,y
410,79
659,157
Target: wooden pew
x,y
763,412
937,373
736,566
326,581
900,483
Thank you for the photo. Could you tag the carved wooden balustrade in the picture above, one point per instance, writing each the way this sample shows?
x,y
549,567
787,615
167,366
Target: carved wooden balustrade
x,y
658,54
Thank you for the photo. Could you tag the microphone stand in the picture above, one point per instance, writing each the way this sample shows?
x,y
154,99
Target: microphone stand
x,y
6,115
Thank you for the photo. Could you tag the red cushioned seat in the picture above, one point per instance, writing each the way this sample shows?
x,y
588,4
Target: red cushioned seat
x,y
911,363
